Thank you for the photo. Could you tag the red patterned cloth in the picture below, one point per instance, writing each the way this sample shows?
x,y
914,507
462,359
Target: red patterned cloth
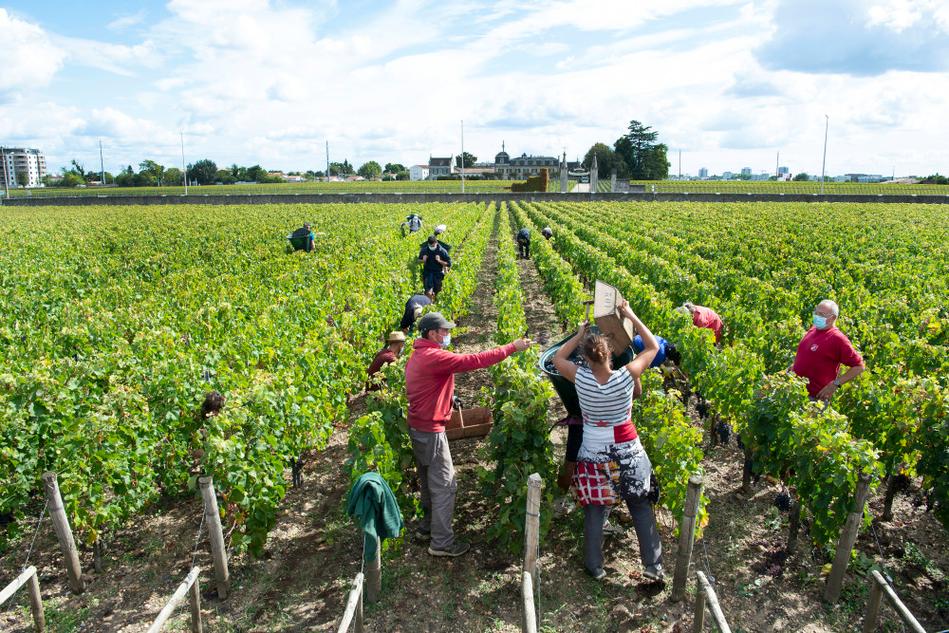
x,y
621,472
596,483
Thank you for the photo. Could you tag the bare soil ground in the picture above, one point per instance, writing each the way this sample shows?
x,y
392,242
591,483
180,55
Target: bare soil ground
x,y
314,552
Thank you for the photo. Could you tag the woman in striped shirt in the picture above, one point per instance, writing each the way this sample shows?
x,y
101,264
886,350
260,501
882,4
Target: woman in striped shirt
x,y
612,464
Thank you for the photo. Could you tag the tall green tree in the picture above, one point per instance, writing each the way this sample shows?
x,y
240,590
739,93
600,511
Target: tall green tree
x,y
125,177
255,173
656,163
204,171
238,172
79,170
70,179
341,169
173,177
152,171
370,170
469,160
606,161
645,159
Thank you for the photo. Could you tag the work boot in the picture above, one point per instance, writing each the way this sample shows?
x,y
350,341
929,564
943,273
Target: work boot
x,y
455,549
654,572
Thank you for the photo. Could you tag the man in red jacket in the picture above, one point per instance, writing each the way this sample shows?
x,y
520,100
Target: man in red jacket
x,y
430,385
821,353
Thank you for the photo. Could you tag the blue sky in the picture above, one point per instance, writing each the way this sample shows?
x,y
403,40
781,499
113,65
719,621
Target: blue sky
x,y
729,83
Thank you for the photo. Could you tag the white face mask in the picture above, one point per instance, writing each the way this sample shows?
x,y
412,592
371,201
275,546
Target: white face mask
x,y
433,248
446,341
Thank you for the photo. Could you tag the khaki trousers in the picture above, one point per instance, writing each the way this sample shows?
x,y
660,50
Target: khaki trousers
x,y
436,474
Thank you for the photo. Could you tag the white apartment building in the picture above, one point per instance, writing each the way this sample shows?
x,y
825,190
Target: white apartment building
x,y
21,160
418,172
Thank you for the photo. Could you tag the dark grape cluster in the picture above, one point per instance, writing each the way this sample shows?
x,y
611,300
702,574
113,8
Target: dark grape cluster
x,y
783,501
702,407
901,482
724,431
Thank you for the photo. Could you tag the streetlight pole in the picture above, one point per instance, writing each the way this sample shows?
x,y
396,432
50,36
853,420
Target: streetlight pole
x,y
823,164
184,169
462,156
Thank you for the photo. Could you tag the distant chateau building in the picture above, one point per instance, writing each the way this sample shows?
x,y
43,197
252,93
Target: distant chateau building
x,y
524,166
31,163
503,168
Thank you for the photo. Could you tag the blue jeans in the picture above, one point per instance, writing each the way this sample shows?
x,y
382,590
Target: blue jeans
x,y
433,280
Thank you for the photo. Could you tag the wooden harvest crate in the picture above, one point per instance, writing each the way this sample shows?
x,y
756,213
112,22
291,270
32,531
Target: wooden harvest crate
x,y
474,422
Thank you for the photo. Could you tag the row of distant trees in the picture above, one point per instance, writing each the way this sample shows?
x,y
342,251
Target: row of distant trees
x,y
636,155
206,172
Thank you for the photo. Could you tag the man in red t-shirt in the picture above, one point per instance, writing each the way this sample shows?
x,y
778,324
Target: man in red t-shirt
x,y
705,317
430,385
821,353
394,344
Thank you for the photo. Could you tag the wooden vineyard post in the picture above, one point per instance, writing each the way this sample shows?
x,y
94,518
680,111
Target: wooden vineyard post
x,y
878,588
705,594
374,573
529,624
28,577
353,615
532,525
848,537
686,537
873,606
63,533
532,538
698,614
218,553
36,602
188,586
194,603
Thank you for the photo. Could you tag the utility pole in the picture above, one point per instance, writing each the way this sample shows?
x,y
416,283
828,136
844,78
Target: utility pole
x,y
823,164
462,156
327,160
101,165
680,164
184,169
777,163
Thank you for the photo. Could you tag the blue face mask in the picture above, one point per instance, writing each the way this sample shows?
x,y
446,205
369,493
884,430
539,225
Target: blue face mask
x,y
820,322
446,341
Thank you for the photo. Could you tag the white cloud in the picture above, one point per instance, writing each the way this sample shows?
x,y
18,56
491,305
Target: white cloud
x,y
899,15
125,21
119,59
123,128
266,82
30,59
